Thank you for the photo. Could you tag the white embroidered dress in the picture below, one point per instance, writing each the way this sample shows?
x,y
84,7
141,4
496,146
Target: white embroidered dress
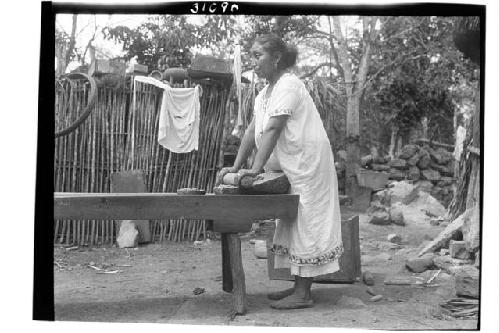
x,y
312,243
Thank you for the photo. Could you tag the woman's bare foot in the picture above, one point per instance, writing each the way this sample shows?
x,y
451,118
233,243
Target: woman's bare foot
x,y
275,296
293,301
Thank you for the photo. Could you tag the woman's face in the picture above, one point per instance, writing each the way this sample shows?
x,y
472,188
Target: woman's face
x,y
263,63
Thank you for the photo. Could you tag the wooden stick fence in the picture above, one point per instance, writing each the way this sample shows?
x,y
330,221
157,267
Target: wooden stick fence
x,y
121,134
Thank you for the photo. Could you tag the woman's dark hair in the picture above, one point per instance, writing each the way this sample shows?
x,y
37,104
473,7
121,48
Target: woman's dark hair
x,y
272,43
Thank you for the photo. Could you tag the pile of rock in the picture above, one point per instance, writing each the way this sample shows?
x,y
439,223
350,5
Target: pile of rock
x,y
403,203
432,169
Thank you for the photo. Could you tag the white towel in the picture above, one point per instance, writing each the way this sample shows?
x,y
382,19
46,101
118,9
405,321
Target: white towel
x,y
179,122
180,119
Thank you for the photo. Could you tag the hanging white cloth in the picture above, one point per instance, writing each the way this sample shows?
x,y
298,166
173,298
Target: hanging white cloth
x,y
240,122
180,119
179,122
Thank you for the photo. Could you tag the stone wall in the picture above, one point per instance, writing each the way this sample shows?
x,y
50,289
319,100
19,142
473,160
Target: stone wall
x,y
429,168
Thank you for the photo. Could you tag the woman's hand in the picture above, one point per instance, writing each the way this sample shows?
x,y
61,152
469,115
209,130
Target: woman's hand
x,y
223,172
248,172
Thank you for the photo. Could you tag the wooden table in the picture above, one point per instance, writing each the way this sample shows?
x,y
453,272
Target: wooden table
x,y
231,214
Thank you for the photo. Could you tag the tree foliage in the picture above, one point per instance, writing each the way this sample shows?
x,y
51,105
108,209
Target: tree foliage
x,y
168,40
417,63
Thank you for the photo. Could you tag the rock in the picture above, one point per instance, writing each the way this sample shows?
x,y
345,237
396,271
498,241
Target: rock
x,y
381,197
350,302
443,239
380,217
414,216
414,194
370,291
414,173
420,264
379,160
443,170
368,278
376,298
413,160
429,205
408,151
401,192
394,238
424,160
458,250
446,181
128,236
467,281
398,163
396,174
366,160
449,264
470,230
396,214
440,155
380,167
431,175
425,185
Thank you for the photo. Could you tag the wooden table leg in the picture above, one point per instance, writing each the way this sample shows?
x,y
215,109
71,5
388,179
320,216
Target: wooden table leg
x,y
227,275
238,275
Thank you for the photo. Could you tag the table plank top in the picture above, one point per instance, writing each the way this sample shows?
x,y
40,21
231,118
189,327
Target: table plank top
x,y
136,206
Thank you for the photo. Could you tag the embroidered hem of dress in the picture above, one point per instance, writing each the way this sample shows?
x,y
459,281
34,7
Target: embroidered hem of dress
x,y
321,260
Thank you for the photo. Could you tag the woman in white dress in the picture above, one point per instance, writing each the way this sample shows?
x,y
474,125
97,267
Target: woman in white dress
x,y
289,135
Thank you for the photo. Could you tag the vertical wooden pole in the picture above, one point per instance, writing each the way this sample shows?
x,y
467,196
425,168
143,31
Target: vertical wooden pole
x,y
227,278
238,275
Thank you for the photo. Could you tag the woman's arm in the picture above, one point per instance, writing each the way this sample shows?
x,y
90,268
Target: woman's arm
x,y
246,146
269,139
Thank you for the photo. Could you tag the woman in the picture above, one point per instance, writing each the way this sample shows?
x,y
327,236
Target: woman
x,y
289,135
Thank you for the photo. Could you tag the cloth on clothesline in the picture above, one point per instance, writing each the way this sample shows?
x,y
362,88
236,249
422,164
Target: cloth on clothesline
x,y
151,80
178,129
180,119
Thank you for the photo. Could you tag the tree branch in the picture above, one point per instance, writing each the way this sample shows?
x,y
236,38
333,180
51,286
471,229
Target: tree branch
x,y
71,41
342,54
315,69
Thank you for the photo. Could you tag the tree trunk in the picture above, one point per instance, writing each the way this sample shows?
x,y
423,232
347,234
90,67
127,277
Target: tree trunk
x,y
425,128
392,147
469,180
352,145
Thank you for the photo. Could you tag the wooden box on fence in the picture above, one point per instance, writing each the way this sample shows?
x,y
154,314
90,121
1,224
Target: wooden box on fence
x,y
132,181
106,66
349,262
137,69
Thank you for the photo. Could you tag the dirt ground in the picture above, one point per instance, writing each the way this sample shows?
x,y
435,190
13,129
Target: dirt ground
x,y
155,284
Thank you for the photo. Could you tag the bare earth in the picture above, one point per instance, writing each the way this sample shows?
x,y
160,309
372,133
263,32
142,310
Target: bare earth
x,y
155,284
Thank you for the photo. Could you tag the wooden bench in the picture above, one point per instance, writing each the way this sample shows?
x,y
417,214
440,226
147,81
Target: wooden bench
x,y
231,214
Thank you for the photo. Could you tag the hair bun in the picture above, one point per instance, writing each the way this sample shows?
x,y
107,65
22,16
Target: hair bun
x,y
289,57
